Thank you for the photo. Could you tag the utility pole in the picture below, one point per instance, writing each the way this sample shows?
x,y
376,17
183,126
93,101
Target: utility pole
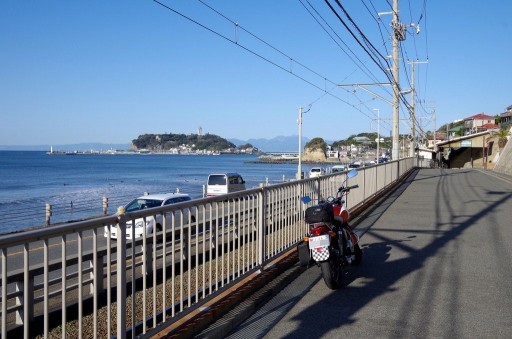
x,y
299,169
396,90
435,127
399,34
378,134
413,108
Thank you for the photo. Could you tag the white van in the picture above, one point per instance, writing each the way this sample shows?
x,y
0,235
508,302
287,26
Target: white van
x,y
224,183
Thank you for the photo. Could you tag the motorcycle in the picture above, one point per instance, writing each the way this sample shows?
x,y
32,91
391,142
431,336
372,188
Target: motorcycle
x,y
331,242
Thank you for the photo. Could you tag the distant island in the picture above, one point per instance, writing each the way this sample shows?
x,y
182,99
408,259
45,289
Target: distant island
x,y
189,144
276,144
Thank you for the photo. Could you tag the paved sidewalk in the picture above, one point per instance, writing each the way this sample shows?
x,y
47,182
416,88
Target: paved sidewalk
x,y
437,264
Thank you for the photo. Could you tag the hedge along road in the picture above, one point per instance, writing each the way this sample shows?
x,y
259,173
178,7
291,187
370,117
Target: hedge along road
x,y
437,263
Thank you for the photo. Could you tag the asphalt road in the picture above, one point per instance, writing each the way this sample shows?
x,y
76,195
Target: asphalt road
x,y
437,263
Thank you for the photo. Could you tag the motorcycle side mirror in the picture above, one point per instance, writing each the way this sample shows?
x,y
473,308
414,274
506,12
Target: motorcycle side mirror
x,y
306,199
352,173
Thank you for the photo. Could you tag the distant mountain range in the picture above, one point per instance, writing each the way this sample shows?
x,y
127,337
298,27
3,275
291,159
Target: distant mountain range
x,y
277,144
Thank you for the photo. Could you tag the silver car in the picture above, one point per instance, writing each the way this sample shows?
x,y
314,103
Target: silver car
x,y
149,201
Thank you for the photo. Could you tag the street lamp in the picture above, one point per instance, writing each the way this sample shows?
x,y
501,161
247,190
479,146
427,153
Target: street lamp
x,y
299,122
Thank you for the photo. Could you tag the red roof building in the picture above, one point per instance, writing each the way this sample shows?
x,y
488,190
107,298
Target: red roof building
x,y
473,123
480,116
487,127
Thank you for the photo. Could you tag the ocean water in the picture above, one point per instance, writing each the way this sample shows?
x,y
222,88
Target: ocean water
x,y
75,184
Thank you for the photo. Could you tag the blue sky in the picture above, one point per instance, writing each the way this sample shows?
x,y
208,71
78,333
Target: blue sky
x,y
108,71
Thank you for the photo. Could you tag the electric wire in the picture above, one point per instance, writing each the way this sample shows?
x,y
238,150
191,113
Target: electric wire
x,y
284,54
366,40
378,21
370,53
370,49
287,56
361,63
336,34
261,56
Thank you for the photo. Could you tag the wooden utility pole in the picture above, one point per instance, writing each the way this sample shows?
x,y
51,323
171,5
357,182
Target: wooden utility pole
x,y
413,108
397,35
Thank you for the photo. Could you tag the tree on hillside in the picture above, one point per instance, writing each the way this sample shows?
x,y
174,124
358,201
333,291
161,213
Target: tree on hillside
x,y
317,144
245,146
502,137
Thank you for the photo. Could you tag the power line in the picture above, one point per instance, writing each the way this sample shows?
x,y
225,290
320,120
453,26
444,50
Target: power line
x,y
362,64
370,54
258,54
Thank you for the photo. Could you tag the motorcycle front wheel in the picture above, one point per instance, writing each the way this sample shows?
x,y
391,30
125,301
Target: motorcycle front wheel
x,y
331,272
358,255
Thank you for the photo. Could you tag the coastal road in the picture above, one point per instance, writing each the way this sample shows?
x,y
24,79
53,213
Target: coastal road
x,y
437,263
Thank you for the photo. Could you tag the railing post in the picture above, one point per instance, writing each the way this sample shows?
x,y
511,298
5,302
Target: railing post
x,y
317,188
364,185
262,222
48,213
105,205
4,292
121,273
27,304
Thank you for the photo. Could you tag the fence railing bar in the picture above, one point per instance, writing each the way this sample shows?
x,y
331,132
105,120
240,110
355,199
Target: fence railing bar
x,y
236,234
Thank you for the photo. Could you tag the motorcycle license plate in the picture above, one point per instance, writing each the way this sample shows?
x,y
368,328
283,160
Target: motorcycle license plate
x,y
320,241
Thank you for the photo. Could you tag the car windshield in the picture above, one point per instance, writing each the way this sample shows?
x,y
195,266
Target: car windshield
x,y
217,180
315,170
140,204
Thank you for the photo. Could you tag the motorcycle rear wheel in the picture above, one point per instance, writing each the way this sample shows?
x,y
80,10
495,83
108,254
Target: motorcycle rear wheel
x,y
331,273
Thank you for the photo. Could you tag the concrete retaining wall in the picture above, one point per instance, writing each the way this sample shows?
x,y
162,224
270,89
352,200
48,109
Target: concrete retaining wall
x,y
504,164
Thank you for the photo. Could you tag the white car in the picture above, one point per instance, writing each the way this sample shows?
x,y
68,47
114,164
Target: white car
x,y
149,201
316,172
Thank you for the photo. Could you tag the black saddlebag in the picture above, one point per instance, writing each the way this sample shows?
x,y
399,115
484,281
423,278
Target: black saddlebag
x,y
319,213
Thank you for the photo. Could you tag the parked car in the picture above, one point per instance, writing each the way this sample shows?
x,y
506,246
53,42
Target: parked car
x,y
316,172
338,168
149,201
224,183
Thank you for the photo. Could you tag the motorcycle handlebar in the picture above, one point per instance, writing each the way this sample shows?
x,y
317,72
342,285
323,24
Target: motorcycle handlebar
x,y
346,189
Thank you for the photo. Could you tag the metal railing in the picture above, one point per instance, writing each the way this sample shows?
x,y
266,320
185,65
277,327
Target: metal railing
x,y
186,253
